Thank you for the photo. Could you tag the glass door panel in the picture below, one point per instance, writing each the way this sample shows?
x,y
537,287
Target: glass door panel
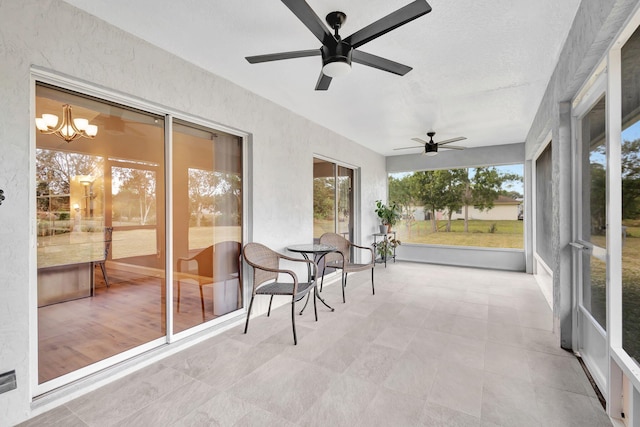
x,y
591,259
630,166
593,213
344,224
207,218
332,199
324,197
100,280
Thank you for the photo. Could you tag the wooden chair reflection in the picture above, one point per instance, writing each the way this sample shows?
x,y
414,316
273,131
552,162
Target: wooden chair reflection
x,y
214,264
108,232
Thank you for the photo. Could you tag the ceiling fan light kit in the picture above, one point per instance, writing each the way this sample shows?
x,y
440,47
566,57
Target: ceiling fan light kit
x,y
337,53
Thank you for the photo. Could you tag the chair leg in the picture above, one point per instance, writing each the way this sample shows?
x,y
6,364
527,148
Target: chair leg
x,y
178,296
269,311
322,280
315,309
344,283
246,325
202,302
104,274
372,286
293,319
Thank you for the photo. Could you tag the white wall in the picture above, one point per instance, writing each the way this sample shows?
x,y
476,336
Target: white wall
x,y
55,36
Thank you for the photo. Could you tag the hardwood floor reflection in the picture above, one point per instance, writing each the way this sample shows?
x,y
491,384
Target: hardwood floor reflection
x,y
131,312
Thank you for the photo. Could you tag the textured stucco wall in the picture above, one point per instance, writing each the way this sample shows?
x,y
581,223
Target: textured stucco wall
x,y
54,36
596,24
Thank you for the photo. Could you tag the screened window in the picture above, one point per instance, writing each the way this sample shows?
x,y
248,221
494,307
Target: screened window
x,y
465,207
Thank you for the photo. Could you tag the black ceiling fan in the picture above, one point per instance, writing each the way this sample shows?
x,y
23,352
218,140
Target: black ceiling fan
x,y
337,53
431,147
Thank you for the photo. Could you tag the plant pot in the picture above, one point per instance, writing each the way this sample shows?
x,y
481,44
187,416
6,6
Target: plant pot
x,y
388,228
383,228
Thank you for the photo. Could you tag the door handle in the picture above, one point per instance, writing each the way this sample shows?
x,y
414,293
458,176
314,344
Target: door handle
x,y
580,246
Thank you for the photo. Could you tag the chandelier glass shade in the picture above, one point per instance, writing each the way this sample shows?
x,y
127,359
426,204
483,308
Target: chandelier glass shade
x,y
69,129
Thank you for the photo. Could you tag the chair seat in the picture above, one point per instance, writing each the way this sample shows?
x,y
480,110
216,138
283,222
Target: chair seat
x,y
266,269
284,288
349,267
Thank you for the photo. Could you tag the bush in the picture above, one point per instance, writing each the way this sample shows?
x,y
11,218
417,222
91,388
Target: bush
x,y
493,228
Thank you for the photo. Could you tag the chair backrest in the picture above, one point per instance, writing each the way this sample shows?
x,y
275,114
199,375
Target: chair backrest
x,y
108,232
204,259
340,243
225,259
257,256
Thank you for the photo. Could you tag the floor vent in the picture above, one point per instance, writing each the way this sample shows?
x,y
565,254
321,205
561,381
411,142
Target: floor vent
x,y
603,402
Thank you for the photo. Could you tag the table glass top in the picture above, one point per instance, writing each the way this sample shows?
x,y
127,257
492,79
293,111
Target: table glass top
x,y
311,248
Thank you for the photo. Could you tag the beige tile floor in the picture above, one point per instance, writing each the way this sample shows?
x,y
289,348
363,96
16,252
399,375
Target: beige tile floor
x,y
436,346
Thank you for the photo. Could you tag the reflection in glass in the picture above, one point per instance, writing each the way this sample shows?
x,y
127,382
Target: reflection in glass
x,y
324,197
83,189
207,218
631,197
344,224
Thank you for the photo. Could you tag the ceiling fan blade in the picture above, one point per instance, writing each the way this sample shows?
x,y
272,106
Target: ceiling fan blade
x,y
390,22
419,140
406,148
282,55
451,147
379,63
449,141
311,20
323,82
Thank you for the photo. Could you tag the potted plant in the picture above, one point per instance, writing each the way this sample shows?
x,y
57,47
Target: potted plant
x,y
389,215
386,247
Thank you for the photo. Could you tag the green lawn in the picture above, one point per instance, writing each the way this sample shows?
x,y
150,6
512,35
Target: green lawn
x,y
506,233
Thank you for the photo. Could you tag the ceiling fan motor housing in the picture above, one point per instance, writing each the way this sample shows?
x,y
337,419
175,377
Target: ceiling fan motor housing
x,y
341,52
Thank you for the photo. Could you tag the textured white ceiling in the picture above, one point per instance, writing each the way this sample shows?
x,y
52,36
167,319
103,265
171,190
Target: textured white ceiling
x,y
480,68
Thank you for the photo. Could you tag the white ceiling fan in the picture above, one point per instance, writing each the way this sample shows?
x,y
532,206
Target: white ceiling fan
x,y
431,147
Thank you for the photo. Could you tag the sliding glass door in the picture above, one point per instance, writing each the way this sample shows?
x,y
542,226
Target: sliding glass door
x,y
207,219
332,199
100,218
101,212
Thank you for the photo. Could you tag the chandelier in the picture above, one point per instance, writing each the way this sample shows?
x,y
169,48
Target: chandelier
x,y
69,129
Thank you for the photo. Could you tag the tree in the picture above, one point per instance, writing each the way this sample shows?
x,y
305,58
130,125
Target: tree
x,y
140,186
202,184
484,188
400,192
598,199
455,185
58,168
228,197
323,195
428,187
631,179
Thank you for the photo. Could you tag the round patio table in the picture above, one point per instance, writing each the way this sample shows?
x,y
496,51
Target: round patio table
x,y
319,251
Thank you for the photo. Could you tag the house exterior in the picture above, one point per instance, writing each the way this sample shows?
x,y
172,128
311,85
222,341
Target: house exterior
x,y
57,44
504,208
